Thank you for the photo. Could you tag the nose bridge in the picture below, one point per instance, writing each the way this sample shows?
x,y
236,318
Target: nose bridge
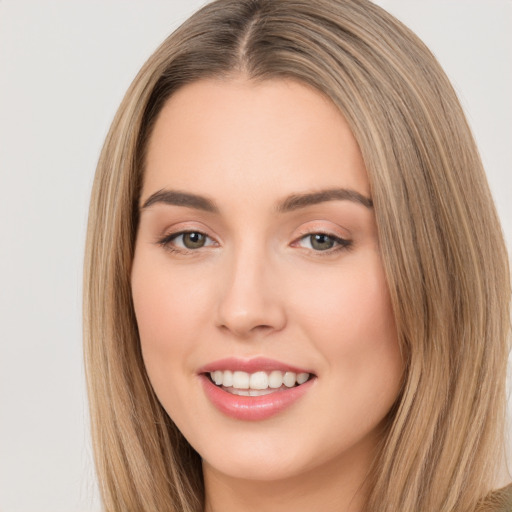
x,y
249,300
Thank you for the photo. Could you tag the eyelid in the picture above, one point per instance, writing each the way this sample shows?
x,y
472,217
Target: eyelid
x,y
186,226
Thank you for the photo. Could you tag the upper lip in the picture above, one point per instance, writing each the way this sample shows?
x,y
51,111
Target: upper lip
x,y
250,365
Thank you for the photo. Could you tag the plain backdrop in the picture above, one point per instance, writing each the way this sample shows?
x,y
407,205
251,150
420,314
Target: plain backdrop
x,y
64,67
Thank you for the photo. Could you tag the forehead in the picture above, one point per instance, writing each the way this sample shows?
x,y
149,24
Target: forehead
x,y
232,135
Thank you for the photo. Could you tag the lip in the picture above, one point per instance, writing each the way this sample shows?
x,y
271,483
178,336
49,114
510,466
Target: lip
x,y
254,408
250,365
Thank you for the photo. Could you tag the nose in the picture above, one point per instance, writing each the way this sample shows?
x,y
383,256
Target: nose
x,y
250,302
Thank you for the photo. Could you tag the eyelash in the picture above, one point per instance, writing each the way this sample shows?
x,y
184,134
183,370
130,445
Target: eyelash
x,y
341,244
166,242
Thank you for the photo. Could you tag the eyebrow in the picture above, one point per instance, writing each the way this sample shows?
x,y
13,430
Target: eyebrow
x,y
297,201
291,203
177,198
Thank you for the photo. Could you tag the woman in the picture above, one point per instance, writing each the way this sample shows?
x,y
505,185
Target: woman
x,y
296,289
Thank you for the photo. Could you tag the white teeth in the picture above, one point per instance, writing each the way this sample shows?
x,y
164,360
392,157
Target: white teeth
x,y
217,377
241,380
289,379
257,383
275,379
302,377
250,392
258,380
227,380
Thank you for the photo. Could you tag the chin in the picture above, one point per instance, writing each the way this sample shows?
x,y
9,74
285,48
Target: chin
x,y
262,469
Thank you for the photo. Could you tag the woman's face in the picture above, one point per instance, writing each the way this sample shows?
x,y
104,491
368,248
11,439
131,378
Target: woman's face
x,y
257,259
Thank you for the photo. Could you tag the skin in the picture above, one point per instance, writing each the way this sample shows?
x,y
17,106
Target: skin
x,y
258,287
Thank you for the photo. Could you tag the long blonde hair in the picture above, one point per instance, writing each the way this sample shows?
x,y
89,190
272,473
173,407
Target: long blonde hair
x,y
441,245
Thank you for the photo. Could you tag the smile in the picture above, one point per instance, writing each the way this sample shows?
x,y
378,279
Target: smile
x,y
257,384
253,390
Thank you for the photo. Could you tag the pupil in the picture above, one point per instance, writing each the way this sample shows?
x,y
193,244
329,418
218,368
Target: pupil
x,y
322,242
193,240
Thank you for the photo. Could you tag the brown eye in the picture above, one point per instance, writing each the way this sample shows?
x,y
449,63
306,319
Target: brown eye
x,y
184,241
321,242
193,240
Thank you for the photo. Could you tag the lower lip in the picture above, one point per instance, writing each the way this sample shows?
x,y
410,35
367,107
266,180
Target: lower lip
x,y
253,408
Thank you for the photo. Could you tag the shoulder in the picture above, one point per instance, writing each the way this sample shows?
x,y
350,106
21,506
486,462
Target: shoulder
x,y
497,501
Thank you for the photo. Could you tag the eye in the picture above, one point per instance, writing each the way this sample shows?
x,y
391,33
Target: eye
x,y
192,240
323,242
186,240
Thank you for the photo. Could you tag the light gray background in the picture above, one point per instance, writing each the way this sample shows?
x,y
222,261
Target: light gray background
x,y
64,67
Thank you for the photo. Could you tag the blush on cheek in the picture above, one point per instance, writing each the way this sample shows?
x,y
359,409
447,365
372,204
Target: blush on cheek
x,y
160,308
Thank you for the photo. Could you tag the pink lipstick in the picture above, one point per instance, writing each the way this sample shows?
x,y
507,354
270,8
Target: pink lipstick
x,y
254,389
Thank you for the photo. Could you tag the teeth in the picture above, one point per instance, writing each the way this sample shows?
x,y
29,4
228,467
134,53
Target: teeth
x,y
250,392
258,380
275,379
302,377
289,379
240,380
257,383
227,378
217,377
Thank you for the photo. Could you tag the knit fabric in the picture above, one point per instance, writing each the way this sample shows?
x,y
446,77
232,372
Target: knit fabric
x,y
497,501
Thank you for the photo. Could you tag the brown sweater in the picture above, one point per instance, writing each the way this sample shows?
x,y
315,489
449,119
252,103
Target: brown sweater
x,y
497,501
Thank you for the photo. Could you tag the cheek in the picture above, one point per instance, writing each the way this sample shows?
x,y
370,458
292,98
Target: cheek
x,y
166,303
164,316
351,323
164,313
351,305
349,318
